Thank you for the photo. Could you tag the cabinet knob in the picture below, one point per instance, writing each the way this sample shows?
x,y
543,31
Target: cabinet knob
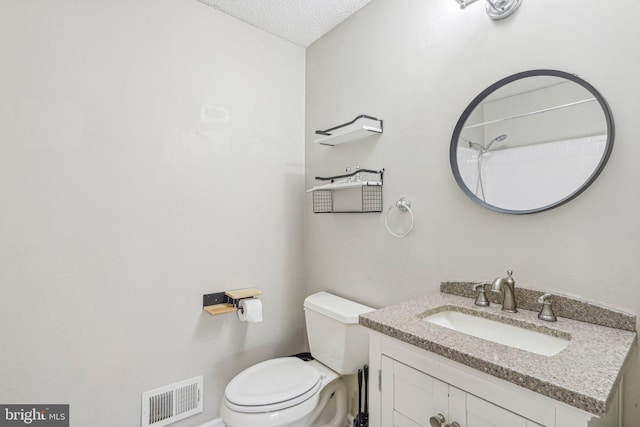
x,y
437,420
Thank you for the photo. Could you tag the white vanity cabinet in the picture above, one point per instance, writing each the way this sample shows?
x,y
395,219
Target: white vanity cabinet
x,y
414,385
411,398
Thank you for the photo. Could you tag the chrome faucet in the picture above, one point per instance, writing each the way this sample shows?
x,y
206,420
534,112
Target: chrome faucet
x,y
507,286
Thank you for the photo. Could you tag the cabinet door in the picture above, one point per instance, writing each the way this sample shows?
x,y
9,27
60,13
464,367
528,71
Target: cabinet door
x,y
400,420
481,413
410,397
457,406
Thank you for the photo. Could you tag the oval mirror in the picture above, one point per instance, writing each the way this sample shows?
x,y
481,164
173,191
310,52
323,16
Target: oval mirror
x,y
531,142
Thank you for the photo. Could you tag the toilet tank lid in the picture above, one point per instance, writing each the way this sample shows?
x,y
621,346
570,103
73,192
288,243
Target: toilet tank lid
x,y
335,307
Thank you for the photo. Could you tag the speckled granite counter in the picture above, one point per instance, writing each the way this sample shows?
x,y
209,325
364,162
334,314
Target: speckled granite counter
x,y
583,375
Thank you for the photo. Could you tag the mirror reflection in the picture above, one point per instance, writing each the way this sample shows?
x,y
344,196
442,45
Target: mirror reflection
x,y
531,142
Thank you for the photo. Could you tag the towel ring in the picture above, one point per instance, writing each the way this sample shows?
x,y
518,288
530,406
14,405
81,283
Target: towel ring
x,y
405,206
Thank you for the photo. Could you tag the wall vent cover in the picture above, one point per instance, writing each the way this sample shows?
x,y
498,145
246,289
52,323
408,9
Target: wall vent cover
x,y
171,403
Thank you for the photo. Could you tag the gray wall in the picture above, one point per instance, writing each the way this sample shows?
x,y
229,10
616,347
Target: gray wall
x,y
123,201
417,64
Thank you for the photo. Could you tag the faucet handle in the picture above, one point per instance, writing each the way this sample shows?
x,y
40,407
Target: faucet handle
x,y
479,285
481,300
546,313
544,299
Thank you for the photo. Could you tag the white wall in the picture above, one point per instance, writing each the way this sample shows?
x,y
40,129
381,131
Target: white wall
x,y
417,64
122,201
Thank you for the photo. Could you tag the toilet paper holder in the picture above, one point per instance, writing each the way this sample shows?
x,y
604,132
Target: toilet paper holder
x,y
227,301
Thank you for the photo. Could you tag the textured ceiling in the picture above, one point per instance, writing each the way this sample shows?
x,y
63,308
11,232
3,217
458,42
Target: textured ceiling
x,y
299,21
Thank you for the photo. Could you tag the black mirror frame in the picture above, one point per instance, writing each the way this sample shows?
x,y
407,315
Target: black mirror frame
x,y
478,99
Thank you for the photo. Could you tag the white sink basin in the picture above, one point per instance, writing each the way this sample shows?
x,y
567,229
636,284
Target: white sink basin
x,y
498,332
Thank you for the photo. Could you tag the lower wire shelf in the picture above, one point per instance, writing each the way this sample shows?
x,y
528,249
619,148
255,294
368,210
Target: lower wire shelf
x,y
348,197
371,200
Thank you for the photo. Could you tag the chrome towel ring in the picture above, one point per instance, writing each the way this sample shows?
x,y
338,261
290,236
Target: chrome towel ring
x,y
405,206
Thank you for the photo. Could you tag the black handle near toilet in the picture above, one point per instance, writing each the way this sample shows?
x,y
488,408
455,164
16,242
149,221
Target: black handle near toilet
x,y
362,418
366,396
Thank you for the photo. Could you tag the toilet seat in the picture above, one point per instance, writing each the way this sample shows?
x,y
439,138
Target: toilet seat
x,y
272,385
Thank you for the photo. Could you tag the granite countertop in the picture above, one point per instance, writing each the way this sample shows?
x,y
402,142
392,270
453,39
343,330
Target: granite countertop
x,y
583,375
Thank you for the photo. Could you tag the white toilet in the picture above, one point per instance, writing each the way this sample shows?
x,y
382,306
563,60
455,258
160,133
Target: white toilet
x,y
289,392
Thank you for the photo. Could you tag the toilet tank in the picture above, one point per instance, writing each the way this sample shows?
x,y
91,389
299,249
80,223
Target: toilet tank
x,y
335,337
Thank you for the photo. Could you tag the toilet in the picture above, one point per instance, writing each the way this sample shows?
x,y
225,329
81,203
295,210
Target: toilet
x,y
290,392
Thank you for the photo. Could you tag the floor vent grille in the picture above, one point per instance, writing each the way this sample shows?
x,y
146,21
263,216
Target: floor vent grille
x,y
175,402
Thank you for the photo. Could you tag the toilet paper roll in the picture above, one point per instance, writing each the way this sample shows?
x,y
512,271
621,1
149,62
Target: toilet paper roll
x,y
250,310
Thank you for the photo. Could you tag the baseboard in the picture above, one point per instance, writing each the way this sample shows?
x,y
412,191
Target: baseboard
x,y
213,423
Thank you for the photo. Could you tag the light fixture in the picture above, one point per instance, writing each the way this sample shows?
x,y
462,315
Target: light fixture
x,y
496,9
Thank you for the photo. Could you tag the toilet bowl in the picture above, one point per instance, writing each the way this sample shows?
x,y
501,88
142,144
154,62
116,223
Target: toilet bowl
x,y
290,392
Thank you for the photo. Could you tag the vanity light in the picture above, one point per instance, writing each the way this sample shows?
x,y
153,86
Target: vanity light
x,y
496,9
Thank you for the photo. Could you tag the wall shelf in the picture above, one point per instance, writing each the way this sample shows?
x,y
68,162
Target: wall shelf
x,y
358,128
227,301
367,199
344,185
